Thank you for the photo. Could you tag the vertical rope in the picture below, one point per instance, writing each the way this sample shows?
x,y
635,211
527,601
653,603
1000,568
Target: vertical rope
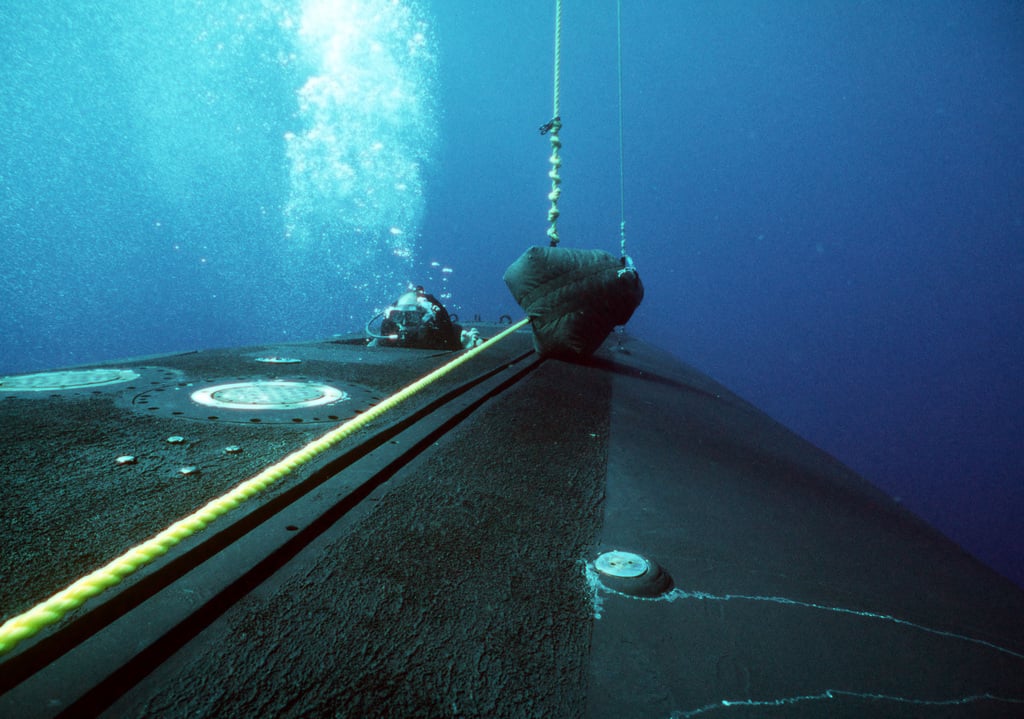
x,y
554,126
622,172
627,261
558,56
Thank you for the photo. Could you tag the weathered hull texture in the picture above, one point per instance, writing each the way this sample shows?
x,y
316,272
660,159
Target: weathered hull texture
x,y
442,561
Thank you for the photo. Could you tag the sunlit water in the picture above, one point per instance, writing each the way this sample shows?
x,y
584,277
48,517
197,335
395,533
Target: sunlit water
x,y
248,170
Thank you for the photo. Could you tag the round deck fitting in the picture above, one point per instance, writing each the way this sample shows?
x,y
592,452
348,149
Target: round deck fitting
x,y
296,400
278,360
621,564
68,379
275,394
632,574
85,382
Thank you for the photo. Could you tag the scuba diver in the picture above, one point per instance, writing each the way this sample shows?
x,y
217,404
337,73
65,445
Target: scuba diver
x,y
419,320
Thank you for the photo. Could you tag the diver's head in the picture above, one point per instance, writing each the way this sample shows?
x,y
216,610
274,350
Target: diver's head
x,y
408,302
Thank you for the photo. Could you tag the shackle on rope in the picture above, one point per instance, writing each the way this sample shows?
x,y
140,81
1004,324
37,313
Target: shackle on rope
x,y
554,124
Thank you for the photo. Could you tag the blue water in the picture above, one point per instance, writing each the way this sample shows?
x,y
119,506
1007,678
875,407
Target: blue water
x,y
825,200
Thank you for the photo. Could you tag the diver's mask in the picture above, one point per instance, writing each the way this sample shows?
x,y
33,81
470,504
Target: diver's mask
x,y
408,315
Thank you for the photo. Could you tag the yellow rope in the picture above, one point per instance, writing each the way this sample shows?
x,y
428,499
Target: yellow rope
x,y
556,125
56,607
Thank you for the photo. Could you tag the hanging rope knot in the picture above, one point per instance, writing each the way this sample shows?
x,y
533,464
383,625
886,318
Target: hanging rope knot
x,y
552,125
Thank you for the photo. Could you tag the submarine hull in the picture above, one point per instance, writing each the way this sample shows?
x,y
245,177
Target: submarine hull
x,y
621,537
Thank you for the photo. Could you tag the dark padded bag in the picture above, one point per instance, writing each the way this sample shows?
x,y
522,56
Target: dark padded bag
x,y
574,298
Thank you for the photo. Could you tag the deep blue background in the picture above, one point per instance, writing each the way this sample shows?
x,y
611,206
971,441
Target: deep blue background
x,y
825,200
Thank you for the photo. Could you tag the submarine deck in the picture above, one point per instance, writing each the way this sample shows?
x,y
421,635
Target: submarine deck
x,y
443,561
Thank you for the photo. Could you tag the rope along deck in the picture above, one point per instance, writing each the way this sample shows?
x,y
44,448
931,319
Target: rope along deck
x,y
52,610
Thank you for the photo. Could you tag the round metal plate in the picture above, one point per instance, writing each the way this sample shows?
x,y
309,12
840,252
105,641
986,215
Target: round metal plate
x,y
275,394
278,360
244,400
621,564
68,379
631,574
86,382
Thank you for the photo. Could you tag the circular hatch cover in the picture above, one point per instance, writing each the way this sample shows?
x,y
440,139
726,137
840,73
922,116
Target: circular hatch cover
x,y
66,380
274,394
